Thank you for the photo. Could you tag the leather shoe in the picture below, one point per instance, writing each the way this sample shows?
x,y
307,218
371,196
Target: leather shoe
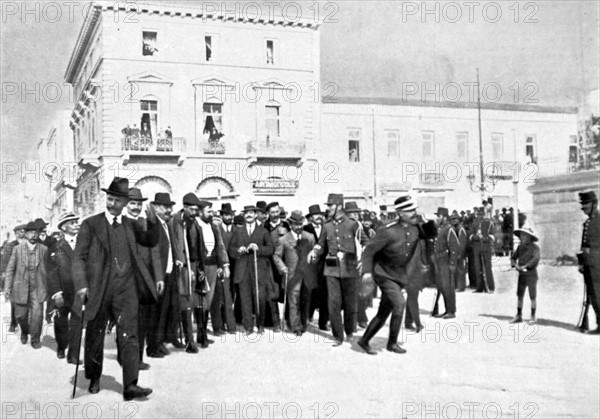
x,y
349,337
596,331
409,327
419,328
366,347
60,353
277,329
362,325
325,328
298,333
36,345
73,361
134,391
397,349
338,343
163,349
261,330
155,354
191,348
177,344
143,366
94,385
24,339
516,319
449,316
438,316
12,329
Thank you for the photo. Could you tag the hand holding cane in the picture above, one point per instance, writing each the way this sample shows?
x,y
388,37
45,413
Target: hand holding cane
x,y
256,285
285,281
83,294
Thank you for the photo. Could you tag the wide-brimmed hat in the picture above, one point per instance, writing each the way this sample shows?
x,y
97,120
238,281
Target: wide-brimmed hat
x,y
226,209
442,211
296,217
32,226
136,195
335,199
66,217
41,224
118,187
191,199
351,206
405,203
587,197
20,227
250,208
162,198
526,230
261,206
314,210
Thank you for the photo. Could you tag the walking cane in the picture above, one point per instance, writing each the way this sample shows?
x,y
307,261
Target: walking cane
x,y
285,279
436,298
78,350
483,275
583,317
256,284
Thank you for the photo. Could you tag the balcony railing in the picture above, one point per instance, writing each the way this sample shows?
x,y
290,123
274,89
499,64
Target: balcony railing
x,y
289,149
213,147
553,167
147,145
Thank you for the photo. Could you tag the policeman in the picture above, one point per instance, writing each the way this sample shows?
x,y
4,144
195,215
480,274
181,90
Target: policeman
x,y
590,249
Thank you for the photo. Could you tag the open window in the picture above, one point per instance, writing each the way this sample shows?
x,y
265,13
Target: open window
x,y
530,148
354,145
149,42
270,52
272,120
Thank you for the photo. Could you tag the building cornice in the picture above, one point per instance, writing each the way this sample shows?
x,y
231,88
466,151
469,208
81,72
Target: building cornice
x,y
83,40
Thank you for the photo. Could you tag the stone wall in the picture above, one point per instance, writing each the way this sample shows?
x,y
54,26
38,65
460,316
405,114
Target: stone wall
x,y
557,215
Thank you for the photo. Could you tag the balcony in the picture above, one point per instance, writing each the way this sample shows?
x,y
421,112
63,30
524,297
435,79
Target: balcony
x,y
554,167
213,147
276,150
145,146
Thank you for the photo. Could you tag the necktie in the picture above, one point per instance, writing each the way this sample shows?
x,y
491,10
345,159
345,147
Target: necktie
x,y
115,223
249,230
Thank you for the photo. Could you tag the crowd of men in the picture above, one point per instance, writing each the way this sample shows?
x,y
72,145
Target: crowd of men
x,y
160,276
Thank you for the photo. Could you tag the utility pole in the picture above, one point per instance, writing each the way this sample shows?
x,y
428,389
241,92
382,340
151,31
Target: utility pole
x,y
482,185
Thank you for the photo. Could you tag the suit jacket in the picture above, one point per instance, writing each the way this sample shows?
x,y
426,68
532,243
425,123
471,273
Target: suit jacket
x,y
226,235
60,277
160,252
321,258
293,256
219,250
16,269
244,262
93,258
191,234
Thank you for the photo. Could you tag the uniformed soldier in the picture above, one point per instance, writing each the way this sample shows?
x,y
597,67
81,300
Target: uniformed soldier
x,y
446,255
482,239
590,249
460,236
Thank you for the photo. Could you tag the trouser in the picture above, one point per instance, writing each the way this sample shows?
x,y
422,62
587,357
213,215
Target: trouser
x,y
460,275
247,290
13,318
482,261
165,316
361,313
67,326
342,293
471,270
446,285
319,300
392,302
30,316
144,325
591,276
298,305
210,272
221,310
187,325
412,305
120,305
201,314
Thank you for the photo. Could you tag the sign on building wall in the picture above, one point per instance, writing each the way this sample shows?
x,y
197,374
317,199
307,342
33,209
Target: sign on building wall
x,y
275,187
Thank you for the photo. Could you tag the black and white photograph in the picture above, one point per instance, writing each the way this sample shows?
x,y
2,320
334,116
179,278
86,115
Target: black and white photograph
x,y
300,209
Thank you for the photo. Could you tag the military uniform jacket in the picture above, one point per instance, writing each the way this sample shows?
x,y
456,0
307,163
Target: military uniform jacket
x,y
16,274
590,243
487,231
341,236
447,247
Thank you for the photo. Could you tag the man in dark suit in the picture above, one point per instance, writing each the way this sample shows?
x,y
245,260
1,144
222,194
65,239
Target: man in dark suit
x,y
319,298
460,239
590,250
481,237
290,258
109,275
249,243
6,253
165,316
67,324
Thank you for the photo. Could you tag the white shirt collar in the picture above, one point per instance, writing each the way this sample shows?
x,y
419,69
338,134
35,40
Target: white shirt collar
x,y
110,218
31,246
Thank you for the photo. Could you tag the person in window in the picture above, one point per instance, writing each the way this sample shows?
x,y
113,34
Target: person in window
x,y
169,133
146,140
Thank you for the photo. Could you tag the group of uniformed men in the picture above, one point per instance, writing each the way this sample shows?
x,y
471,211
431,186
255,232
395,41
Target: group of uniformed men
x,y
154,276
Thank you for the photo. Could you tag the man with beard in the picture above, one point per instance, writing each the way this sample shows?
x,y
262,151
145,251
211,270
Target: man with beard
x,y
109,275
459,236
338,243
248,239
590,251
215,262
67,324
290,258
7,252
319,297
26,284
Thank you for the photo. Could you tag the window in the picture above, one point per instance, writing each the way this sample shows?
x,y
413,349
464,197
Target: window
x,y
392,143
462,144
497,147
573,149
149,120
530,146
427,144
149,43
354,145
208,47
272,121
270,51
213,120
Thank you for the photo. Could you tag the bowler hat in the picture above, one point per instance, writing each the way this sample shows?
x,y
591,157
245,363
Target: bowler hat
x,y
314,210
261,206
204,204
136,195
335,199
66,217
250,208
442,211
32,226
282,213
586,197
226,208
118,187
41,224
351,206
162,198
526,230
296,217
271,205
191,199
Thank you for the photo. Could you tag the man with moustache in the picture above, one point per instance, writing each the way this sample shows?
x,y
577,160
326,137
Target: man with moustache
x,y
248,239
109,274
168,256
319,298
7,252
590,252
26,284
338,244
213,254
61,288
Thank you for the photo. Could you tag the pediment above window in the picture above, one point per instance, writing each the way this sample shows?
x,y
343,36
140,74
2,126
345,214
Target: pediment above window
x,y
213,80
149,77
